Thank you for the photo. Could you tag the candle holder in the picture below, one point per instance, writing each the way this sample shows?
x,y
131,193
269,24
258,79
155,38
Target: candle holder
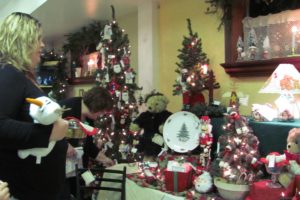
x,y
274,171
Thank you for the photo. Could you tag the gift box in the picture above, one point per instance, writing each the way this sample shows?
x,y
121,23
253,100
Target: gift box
x,y
178,181
260,190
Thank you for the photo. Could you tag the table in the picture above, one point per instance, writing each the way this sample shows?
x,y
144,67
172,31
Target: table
x,y
272,135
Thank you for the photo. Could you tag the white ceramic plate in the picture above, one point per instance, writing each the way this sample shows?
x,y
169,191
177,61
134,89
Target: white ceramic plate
x,y
181,131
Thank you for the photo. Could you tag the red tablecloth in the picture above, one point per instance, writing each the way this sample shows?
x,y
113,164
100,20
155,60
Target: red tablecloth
x,y
260,191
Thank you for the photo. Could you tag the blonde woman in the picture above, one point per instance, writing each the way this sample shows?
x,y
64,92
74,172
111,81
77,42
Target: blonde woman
x,y
21,45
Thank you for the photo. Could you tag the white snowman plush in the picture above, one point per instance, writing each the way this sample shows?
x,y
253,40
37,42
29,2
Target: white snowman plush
x,y
44,111
203,183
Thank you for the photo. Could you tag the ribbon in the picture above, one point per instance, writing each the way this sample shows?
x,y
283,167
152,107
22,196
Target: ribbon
x,y
175,181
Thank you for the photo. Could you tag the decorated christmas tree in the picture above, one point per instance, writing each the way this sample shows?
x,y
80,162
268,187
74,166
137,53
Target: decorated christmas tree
x,y
54,73
115,73
194,75
237,159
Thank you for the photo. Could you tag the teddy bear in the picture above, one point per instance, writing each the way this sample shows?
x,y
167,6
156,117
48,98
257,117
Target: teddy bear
x,y
151,122
289,176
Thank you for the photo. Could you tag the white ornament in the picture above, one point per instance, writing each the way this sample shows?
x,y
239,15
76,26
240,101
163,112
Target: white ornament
x,y
129,77
125,97
117,68
122,63
107,32
203,183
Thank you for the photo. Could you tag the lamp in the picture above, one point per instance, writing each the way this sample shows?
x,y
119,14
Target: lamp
x,y
285,80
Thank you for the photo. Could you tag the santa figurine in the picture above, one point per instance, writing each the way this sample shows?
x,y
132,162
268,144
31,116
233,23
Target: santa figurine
x,y
206,140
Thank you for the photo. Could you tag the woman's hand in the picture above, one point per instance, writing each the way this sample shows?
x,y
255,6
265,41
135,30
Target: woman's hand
x,y
102,158
59,130
71,152
4,191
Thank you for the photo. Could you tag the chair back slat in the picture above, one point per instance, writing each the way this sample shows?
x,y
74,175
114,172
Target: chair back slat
x,y
98,174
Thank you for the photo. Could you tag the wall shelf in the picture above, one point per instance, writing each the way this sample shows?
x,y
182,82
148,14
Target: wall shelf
x,y
258,67
233,28
82,80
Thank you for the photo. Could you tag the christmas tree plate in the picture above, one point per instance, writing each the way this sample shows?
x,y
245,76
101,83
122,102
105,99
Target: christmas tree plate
x,y
181,131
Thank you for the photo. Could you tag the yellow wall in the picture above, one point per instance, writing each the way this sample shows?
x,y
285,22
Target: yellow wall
x,y
173,26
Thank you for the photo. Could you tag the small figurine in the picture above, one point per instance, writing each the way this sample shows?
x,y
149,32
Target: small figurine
x,y
240,49
266,46
252,43
206,140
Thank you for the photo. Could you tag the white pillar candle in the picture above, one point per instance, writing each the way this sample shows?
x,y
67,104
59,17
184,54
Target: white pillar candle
x,y
294,31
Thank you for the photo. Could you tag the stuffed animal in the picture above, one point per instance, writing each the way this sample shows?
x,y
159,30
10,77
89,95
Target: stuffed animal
x,y
203,183
292,157
151,121
44,111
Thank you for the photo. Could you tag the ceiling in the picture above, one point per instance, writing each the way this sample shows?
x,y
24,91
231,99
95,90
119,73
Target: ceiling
x,y
60,17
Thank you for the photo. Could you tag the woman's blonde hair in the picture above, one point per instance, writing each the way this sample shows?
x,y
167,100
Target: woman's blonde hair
x,y
20,34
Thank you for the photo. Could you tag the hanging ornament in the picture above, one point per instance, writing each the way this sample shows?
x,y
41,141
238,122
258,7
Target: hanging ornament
x,y
113,86
129,77
125,97
102,52
118,94
117,68
184,74
122,63
98,79
107,32
106,75
99,46
125,60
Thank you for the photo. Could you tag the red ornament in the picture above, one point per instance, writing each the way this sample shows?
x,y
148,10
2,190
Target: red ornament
x,y
99,58
125,60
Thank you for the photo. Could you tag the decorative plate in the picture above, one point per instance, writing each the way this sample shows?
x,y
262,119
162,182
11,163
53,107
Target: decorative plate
x,y
181,131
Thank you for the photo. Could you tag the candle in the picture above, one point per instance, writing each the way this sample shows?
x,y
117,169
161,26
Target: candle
x,y
294,31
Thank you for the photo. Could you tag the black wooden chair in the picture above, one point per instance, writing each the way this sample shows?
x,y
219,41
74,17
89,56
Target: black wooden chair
x,y
98,185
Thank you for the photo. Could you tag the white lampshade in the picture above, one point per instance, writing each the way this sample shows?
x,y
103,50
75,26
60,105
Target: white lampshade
x,y
285,78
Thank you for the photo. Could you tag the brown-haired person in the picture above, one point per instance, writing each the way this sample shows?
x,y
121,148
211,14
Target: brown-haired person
x,y
95,102
20,49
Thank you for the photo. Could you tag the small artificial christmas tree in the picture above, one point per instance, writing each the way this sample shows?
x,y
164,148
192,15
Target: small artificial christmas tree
x,y
183,134
238,155
115,73
56,64
194,76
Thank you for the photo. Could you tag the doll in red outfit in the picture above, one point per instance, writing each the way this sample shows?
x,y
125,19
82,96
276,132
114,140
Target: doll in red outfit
x,y
206,140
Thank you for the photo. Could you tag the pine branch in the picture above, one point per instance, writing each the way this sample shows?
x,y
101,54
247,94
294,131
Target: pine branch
x,y
190,26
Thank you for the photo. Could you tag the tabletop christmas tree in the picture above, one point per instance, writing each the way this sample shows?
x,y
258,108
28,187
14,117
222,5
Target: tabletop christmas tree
x,y
194,75
238,155
115,73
